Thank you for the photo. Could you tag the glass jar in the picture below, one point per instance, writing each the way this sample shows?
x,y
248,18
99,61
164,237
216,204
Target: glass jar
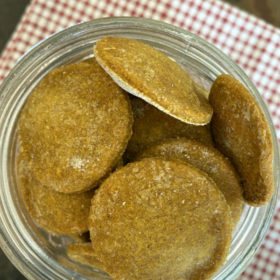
x,y
39,255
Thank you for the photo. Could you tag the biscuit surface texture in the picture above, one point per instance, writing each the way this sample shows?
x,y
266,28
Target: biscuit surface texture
x,y
151,75
55,212
152,125
160,219
241,132
74,127
210,161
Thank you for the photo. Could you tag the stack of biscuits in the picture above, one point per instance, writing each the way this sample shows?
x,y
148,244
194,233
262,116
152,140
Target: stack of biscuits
x,y
128,147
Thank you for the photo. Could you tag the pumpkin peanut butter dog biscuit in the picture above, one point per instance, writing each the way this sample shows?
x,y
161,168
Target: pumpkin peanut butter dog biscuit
x,y
210,161
151,75
55,212
241,132
152,125
74,127
160,219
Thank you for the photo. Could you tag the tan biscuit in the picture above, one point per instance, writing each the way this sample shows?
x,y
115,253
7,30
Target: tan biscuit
x,y
55,212
151,75
74,127
160,219
152,125
84,254
241,132
210,161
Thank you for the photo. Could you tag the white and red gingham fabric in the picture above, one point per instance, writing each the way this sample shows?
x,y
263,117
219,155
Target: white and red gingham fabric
x,y
252,43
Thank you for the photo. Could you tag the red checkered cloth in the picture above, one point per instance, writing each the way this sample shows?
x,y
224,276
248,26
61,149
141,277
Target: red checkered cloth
x,y
252,43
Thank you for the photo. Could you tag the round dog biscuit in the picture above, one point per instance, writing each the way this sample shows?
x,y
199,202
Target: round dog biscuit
x,y
74,127
210,161
151,75
241,132
152,125
160,219
55,212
